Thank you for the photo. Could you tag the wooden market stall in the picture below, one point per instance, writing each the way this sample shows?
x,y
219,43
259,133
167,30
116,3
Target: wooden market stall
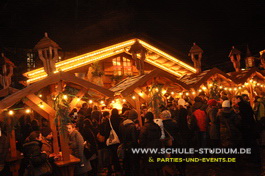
x,y
44,106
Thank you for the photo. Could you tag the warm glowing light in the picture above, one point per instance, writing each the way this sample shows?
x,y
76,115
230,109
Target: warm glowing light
x,y
28,111
258,84
172,93
11,112
90,101
180,93
40,95
246,83
187,93
220,87
225,88
164,91
78,99
200,90
239,88
210,85
230,89
102,102
251,80
65,97
193,93
235,89
141,94
41,105
157,89
133,97
124,100
204,88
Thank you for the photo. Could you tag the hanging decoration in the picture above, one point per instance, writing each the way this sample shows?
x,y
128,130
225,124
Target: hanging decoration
x,y
156,99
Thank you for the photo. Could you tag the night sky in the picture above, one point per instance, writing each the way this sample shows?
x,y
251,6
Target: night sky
x,y
79,24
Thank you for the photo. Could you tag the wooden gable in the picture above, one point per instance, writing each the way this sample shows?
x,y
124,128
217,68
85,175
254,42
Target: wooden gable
x,y
155,57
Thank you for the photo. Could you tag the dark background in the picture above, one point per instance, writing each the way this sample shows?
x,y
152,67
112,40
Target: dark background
x,y
79,24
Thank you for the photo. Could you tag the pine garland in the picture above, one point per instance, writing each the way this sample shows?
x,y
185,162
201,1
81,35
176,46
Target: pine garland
x,y
62,113
156,99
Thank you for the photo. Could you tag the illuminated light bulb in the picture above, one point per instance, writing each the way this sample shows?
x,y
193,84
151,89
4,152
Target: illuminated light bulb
x,y
90,101
220,87
230,89
112,101
27,111
65,97
261,85
258,84
180,93
239,88
246,83
141,94
200,90
157,89
40,95
11,112
164,92
193,93
243,85
78,99
101,102
204,88
225,88
210,85
172,93
133,97
41,105
235,89
123,100
187,93
251,81
254,82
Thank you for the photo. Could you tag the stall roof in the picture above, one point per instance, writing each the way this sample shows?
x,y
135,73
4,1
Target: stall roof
x,y
196,80
155,56
53,79
128,85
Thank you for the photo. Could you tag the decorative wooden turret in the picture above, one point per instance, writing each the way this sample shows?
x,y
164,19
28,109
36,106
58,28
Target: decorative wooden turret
x,y
48,53
196,56
262,58
7,72
235,58
249,60
135,49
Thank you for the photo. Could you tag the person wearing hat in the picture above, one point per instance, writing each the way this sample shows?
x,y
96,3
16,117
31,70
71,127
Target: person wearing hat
x,y
129,139
214,127
230,135
171,129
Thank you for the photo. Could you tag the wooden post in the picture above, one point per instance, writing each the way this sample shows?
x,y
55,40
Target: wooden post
x,y
55,143
63,138
138,109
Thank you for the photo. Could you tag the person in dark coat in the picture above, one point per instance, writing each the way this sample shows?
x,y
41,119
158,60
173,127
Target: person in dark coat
x,y
35,160
214,123
115,121
129,139
171,128
248,127
230,135
76,144
90,139
150,138
96,116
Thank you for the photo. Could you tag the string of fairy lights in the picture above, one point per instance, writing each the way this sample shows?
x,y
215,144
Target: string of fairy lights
x,y
117,101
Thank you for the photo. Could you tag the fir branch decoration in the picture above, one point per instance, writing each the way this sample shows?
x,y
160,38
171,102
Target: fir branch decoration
x,y
97,70
156,99
62,113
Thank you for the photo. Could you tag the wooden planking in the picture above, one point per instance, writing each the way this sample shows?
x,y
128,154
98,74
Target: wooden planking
x,y
79,95
36,100
36,108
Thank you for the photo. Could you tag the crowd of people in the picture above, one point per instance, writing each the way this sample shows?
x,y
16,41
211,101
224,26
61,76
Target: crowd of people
x,y
103,140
